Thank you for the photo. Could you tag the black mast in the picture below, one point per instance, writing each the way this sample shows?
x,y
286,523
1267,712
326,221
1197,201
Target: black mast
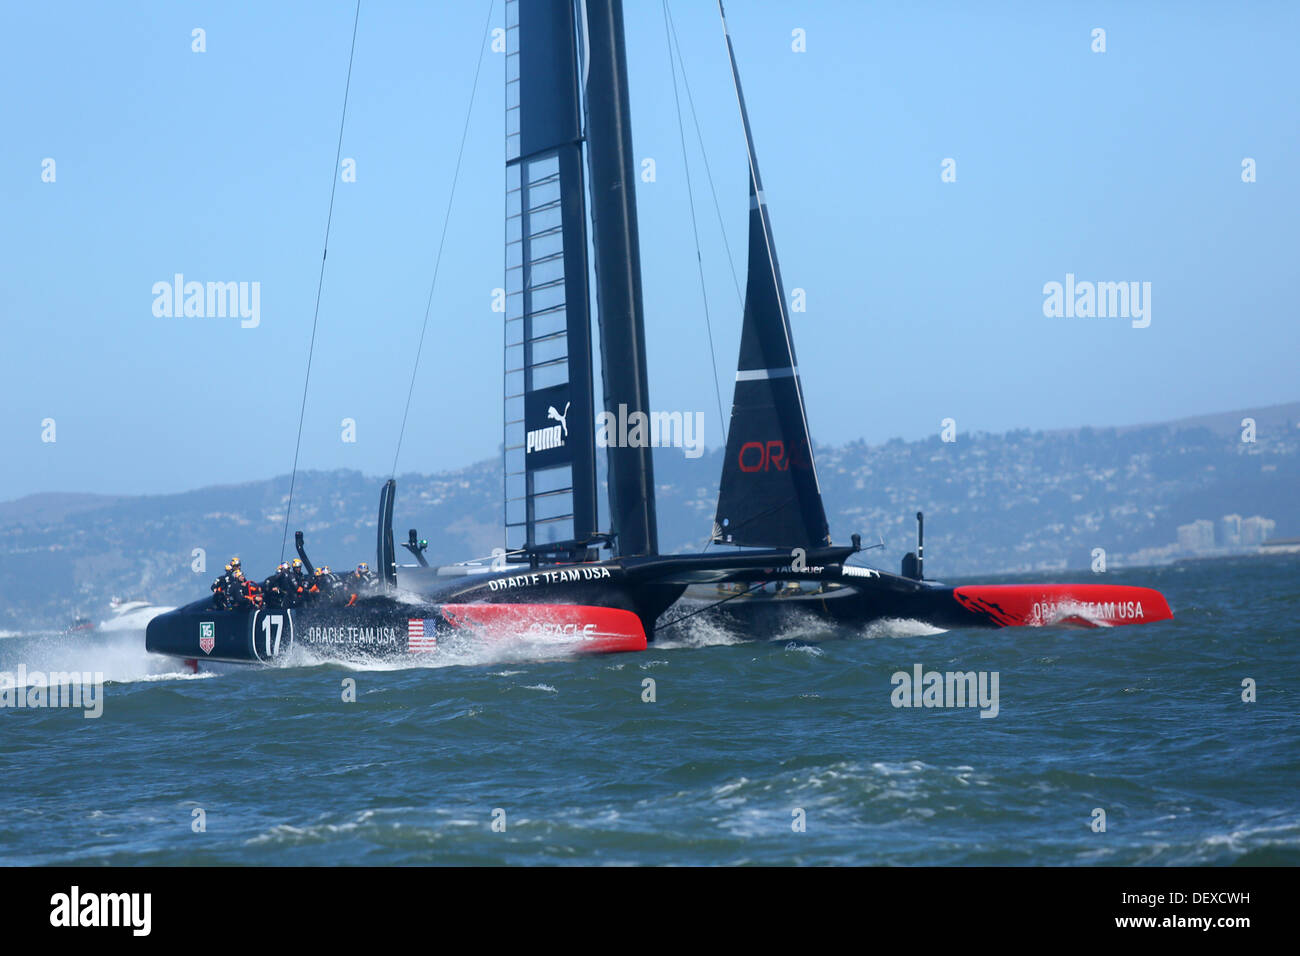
x,y
618,270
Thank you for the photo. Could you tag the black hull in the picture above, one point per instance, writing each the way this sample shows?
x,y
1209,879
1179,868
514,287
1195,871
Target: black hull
x,y
857,602
600,615
764,612
374,628
615,606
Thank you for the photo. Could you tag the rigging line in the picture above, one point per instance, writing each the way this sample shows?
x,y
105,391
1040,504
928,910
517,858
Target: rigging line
x,y
320,282
762,514
709,607
446,220
717,207
695,230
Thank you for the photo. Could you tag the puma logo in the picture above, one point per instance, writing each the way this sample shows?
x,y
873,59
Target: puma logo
x,y
551,413
550,436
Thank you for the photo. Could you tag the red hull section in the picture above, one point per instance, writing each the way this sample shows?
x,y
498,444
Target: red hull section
x,y
1081,605
568,627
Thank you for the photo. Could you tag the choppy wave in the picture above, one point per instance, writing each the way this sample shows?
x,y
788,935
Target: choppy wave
x,y
712,747
899,627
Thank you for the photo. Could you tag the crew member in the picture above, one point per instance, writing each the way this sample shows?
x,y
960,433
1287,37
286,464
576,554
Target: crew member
x,y
328,582
359,583
252,592
243,591
280,589
222,589
219,585
304,586
364,580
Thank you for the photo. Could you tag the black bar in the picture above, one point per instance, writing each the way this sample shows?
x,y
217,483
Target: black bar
x,y
924,907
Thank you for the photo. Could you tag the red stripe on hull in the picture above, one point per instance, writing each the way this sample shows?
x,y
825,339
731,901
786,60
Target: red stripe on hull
x,y
572,627
1083,605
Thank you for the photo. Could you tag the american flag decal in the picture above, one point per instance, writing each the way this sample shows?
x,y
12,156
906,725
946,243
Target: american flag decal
x,y
416,641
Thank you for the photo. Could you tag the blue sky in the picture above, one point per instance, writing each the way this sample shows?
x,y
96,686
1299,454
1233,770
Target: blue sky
x,y
924,298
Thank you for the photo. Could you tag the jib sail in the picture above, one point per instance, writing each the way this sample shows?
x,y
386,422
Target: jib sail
x,y
769,494
550,462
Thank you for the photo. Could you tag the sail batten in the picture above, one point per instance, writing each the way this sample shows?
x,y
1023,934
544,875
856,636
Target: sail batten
x,y
769,494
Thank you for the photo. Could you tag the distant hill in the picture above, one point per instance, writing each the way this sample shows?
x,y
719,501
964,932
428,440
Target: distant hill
x,y
48,507
1017,501
1273,418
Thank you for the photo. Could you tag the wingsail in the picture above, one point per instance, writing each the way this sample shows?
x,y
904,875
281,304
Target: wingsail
x,y
550,460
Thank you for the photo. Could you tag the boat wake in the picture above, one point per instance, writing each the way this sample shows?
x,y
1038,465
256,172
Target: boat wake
x,y
799,628
131,619
467,650
118,655
1073,614
699,632
121,657
899,627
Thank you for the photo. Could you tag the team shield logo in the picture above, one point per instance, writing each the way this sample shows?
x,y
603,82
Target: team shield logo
x,y
207,636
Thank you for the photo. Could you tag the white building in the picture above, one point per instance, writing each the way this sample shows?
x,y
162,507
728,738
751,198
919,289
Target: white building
x,y
1257,529
1197,536
1230,531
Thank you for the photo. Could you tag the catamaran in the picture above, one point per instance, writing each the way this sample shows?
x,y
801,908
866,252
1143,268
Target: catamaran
x,y
562,582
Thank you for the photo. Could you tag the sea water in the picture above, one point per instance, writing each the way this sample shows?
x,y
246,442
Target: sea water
x,y
1167,743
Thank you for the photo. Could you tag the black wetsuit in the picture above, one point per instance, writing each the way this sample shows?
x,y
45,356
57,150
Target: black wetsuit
x,y
281,590
226,592
297,586
242,593
323,585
